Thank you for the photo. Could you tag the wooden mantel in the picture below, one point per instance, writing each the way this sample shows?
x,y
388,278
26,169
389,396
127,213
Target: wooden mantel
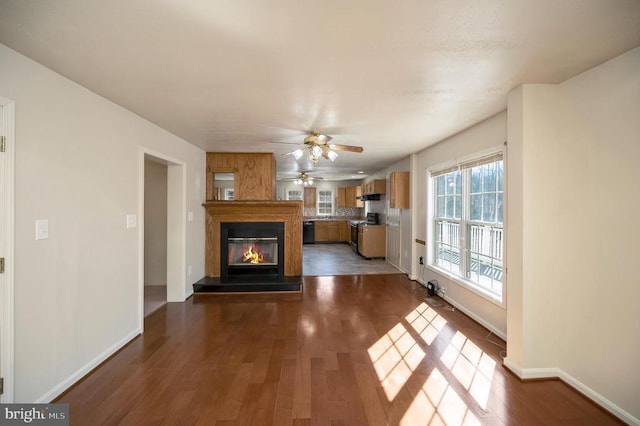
x,y
289,212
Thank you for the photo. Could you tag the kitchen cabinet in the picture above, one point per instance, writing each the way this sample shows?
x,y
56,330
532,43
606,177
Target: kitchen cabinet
x,y
348,197
372,240
399,191
343,200
358,194
310,197
345,231
328,231
377,186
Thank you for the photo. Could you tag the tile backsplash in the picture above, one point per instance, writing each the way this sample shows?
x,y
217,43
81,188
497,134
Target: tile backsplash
x,y
349,212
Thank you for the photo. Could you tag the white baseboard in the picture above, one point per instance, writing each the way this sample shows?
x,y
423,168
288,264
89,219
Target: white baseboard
x,y
599,399
553,373
79,374
471,314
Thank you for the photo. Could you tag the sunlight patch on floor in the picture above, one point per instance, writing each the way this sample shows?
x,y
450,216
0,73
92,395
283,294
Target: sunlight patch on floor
x,y
438,404
395,356
471,366
426,322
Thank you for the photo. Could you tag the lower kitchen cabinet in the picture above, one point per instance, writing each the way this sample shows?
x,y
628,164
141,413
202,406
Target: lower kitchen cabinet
x,y
372,240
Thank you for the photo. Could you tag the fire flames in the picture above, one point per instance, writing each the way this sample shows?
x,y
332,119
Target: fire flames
x,y
251,256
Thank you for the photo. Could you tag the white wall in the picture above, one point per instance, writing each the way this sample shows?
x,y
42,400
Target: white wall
x,y
532,177
77,165
599,295
575,228
155,223
485,135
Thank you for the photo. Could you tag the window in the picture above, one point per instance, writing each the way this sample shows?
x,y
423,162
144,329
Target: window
x,y
467,238
294,194
325,202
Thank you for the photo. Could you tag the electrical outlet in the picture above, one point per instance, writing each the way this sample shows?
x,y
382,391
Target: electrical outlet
x,y
421,260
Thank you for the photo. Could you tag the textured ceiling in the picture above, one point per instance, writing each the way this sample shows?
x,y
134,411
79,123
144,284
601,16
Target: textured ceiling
x,y
393,77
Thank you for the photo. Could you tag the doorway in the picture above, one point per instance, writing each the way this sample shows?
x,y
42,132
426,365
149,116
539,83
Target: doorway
x,y
155,234
162,248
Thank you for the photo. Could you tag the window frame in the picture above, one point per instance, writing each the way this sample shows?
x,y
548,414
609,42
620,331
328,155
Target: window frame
x,y
462,276
331,200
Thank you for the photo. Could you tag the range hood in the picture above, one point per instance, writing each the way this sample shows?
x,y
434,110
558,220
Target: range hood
x,y
370,197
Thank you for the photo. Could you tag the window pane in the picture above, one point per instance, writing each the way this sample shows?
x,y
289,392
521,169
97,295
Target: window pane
x,y
489,207
440,184
500,175
476,180
458,207
451,183
449,207
458,182
476,207
500,207
489,177
440,207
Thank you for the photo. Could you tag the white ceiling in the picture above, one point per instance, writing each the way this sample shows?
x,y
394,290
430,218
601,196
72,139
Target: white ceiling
x,y
391,76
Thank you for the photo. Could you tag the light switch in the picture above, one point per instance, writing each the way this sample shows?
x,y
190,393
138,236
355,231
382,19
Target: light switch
x,y
190,216
132,221
42,229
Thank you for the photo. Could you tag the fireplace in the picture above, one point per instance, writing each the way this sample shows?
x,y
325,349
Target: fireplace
x,y
251,251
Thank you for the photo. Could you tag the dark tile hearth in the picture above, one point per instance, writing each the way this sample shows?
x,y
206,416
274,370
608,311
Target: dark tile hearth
x,y
246,285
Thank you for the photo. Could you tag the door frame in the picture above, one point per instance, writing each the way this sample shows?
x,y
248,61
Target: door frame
x,y
7,308
176,228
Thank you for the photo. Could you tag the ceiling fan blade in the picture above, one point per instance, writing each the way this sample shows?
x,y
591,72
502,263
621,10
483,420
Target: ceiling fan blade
x,y
350,148
285,143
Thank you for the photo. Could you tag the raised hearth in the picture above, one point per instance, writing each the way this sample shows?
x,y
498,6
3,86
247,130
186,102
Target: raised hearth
x,y
215,285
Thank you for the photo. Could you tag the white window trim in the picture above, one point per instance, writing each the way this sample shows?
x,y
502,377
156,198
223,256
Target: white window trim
x,y
469,285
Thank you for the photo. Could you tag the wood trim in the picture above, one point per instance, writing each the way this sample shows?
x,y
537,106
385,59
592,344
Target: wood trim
x,y
289,212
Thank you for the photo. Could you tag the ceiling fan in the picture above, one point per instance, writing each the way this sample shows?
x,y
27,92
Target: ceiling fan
x,y
319,146
304,179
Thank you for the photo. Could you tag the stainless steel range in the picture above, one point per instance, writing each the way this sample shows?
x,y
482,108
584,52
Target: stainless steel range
x,y
372,219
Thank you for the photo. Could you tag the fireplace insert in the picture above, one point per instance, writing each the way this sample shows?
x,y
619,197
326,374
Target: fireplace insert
x,y
251,251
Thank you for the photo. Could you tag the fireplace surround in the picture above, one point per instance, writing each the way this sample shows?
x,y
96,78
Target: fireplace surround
x,y
218,212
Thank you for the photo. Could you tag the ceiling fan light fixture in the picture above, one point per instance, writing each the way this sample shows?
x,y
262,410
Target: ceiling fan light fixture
x,y
332,155
316,151
297,154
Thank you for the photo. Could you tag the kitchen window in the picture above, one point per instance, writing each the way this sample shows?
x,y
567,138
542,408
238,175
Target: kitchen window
x,y
294,194
467,237
325,202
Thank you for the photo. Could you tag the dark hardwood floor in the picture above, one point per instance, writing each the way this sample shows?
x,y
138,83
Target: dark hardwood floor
x,y
349,350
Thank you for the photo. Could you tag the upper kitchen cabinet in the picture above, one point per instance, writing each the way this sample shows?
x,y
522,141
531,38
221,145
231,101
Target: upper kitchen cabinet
x,y
378,186
253,175
310,197
342,197
399,191
348,197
